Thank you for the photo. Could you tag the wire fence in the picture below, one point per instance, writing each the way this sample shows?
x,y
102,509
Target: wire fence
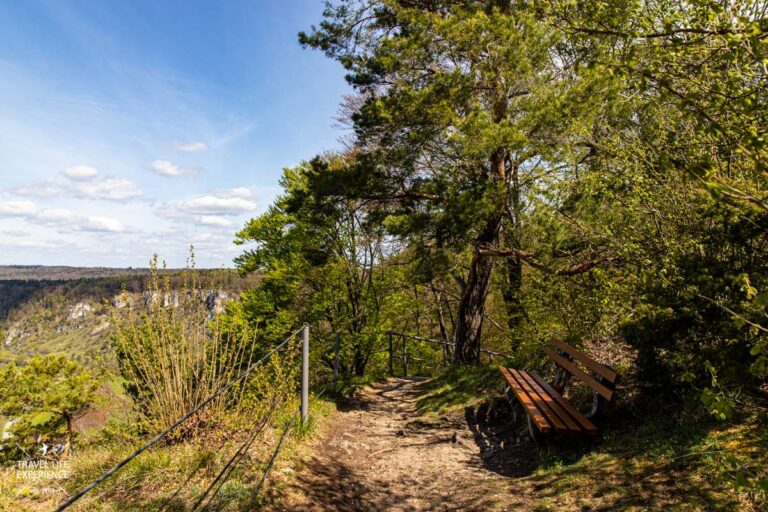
x,y
206,498
400,351
162,435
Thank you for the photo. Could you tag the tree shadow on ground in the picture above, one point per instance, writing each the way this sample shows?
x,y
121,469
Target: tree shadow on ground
x,y
357,402
332,485
649,456
504,447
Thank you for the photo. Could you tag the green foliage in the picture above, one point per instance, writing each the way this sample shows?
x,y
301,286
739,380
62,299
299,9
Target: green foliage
x,y
458,387
470,121
173,355
322,262
47,394
587,169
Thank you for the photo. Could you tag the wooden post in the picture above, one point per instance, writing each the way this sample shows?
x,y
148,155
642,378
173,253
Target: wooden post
x,y
305,375
391,357
405,358
336,362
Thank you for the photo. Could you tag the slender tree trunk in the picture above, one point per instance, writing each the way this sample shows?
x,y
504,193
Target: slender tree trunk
x,y
511,292
359,361
70,436
469,321
514,266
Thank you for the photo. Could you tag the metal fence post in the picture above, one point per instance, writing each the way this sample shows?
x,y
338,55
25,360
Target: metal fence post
x,y
336,361
405,358
305,375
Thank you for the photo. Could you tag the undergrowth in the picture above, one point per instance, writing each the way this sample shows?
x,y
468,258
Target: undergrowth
x,y
651,455
167,477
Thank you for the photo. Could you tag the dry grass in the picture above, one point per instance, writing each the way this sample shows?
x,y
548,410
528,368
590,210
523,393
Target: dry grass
x,y
169,477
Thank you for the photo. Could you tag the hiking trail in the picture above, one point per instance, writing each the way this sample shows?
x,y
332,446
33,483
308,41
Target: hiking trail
x,y
377,452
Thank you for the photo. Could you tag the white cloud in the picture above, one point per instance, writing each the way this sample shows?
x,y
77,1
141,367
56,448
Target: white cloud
x,y
14,233
61,218
215,220
216,205
42,188
167,168
190,147
80,173
17,208
33,244
112,189
56,216
242,192
101,224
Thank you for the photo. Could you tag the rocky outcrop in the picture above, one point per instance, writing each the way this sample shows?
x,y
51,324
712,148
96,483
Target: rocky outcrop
x,y
150,298
171,299
216,301
80,310
14,334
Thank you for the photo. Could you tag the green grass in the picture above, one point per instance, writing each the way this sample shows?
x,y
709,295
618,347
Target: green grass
x,y
151,479
658,456
673,463
457,387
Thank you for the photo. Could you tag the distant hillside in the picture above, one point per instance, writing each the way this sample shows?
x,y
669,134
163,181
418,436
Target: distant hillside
x,y
61,273
65,309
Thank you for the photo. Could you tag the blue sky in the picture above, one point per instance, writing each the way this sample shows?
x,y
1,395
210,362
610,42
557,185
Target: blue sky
x,y
134,127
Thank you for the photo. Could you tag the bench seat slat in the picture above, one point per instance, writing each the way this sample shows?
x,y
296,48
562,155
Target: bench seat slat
x,y
543,402
549,397
585,423
578,372
530,406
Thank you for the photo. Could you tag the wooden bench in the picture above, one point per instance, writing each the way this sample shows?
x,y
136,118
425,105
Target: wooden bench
x,y
548,411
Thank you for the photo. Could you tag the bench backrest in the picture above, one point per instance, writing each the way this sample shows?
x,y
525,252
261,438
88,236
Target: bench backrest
x,y
604,385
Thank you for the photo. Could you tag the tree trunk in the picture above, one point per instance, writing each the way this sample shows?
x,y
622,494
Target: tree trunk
x,y
469,324
469,321
514,265
359,361
70,436
511,292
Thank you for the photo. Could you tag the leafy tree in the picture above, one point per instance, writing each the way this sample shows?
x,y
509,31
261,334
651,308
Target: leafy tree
x,y
51,384
469,114
685,156
321,261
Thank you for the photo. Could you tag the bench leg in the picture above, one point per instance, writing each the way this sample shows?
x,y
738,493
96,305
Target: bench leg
x,y
533,432
514,405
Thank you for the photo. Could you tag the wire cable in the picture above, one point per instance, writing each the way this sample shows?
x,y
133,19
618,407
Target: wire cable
x,y
79,494
272,460
230,465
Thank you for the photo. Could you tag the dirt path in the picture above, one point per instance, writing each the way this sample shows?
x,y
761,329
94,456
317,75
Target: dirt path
x,y
379,454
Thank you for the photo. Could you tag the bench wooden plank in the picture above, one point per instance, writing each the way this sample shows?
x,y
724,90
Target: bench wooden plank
x,y
578,372
550,398
538,418
542,402
585,423
590,363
